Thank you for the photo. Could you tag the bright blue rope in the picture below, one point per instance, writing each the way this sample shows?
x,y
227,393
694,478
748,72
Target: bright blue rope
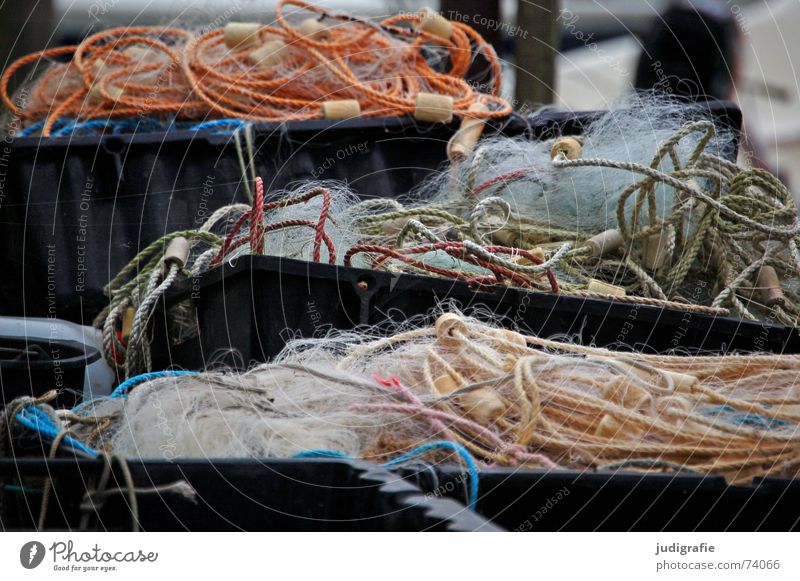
x,y
138,125
321,454
66,128
81,127
126,385
32,129
472,467
35,419
219,125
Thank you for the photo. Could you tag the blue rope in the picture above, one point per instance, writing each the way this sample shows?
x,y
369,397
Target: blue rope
x,y
472,467
219,125
35,419
81,127
128,384
321,454
66,128
32,129
138,125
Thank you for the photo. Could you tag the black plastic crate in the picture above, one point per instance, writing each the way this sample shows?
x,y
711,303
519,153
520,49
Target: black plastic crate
x,y
257,305
32,367
528,500
78,209
75,210
231,494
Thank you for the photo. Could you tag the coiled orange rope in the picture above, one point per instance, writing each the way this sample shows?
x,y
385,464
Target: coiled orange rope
x,y
272,73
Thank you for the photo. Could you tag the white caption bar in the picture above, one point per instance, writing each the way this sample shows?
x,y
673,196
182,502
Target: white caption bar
x,y
406,556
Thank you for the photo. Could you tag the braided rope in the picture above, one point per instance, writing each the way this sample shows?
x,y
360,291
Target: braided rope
x,y
189,76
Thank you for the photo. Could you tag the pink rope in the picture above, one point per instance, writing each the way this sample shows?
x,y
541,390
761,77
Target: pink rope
x,y
499,444
438,426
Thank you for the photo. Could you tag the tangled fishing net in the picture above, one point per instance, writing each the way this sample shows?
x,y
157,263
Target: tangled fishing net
x,y
510,399
671,224
644,206
311,64
312,223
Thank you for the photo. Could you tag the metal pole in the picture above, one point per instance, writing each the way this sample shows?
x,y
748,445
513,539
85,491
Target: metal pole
x,y
536,51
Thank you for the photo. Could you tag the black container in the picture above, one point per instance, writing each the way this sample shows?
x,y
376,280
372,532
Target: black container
x,y
527,500
246,494
75,210
256,306
33,367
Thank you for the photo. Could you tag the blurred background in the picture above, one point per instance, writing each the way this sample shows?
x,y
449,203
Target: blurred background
x,y
577,54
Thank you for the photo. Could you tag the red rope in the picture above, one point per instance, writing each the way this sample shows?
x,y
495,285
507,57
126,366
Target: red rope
x,y
457,250
391,253
506,177
258,229
292,224
225,248
257,219
323,217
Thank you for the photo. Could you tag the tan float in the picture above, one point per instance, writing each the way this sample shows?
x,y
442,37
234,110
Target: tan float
x,y
241,34
341,109
434,23
463,142
447,324
315,30
177,252
603,288
769,287
569,146
127,323
655,251
605,242
482,405
434,107
268,55
96,96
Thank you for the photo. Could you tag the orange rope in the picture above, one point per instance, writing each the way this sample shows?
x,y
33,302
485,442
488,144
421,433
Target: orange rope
x,y
383,66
